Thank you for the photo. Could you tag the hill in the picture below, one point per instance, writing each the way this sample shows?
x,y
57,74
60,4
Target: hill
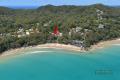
x,y
81,26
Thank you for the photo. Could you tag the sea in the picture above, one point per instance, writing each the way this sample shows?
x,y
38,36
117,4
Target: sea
x,y
58,64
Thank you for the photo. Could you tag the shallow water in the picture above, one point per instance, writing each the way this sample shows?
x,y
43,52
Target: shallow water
x,y
56,64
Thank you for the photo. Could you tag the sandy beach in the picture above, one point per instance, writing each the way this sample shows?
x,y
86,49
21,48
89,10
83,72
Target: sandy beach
x,y
48,45
103,44
22,50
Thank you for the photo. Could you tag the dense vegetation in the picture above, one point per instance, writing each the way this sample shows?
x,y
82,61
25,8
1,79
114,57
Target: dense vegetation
x,y
93,24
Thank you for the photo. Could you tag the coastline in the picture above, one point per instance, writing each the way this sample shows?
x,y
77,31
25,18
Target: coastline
x,y
22,50
68,47
104,44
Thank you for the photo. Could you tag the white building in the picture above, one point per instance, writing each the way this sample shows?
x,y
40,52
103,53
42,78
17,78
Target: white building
x,y
27,32
100,26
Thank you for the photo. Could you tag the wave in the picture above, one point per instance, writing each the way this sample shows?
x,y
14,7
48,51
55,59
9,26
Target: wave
x,y
37,52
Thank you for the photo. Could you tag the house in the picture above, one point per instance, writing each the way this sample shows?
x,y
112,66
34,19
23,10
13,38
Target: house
x,y
27,32
20,30
56,32
70,33
86,30
45,25
20,33
99,11
31,31
60,34
99,14
100,26
78,29
37,31
75,30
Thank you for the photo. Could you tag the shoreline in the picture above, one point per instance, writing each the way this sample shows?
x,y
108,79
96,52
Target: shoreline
x,y
104,44
22,50
68,47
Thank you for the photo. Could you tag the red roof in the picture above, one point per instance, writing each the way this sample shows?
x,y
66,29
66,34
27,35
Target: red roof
x,y
56,31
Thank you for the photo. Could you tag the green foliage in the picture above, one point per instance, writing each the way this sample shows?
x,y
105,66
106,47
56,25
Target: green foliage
x,y
66,17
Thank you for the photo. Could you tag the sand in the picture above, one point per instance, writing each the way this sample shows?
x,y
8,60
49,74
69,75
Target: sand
x,y
99,45
48,45
104,44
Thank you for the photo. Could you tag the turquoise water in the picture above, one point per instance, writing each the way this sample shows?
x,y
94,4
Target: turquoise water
x,y
102,64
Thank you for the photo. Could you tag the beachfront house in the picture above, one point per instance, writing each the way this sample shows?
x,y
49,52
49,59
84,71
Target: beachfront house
x,y
56,32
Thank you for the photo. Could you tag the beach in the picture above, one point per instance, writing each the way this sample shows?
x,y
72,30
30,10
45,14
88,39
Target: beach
x,y
69,47
104,44
22,50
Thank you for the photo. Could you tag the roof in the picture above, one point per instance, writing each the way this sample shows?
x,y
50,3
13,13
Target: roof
x,y
56,31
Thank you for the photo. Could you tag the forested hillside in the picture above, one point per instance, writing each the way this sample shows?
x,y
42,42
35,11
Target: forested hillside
x,y
82,26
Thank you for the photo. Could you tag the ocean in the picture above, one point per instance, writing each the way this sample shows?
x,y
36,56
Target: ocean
x,y
57,64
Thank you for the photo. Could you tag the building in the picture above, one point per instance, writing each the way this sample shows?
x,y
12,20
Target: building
x,y
56,31
100,26
27,32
